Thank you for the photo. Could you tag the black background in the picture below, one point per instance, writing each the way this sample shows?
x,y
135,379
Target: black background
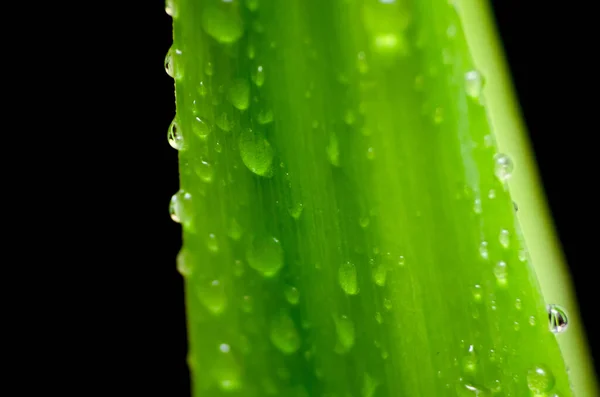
x,y
552,76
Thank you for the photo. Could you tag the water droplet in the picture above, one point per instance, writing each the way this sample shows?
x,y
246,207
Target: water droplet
x,y
264,116
473,83
557,319
477,206
175,137
200,128
222,23
388,42
235,230
401,261
347,278
492,194
488,140
371,153
204,171
483,250
172,63
500,273
470,360
496,386
522,255
345,332
477,293
180,207
239,94
364,221
378,318
504,238
171,8
518,304
284,334
333,151
213,297
540,379
184,263
438,115
503,166
258,77
379,275
212,243
387,304
363,67
471,390
226,370
532,321
265,255
349,117
256,153
292,295
224,122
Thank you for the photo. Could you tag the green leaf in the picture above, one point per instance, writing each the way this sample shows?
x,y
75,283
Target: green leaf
x,y
348,227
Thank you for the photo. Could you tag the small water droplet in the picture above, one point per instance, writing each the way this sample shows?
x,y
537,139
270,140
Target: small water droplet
x,y
518,304
469,389
540,379
172,63
171,8
364,221
212,243
378,318
347,278
387,304
371,153
265,255
180,207
477,293
264,116
492,355
256,152
532,321
492,194
496,386
295,210
239,94
470,360
379,275
503,167
213,297
258,76
477,206
438,115
184,263
175,137
483,250
557,319
333,151
522,255
488,141
222,23
516,326
292,295
284,334
200,128
504,238
401,261
226,370
500,273
473,83
224,122
345,333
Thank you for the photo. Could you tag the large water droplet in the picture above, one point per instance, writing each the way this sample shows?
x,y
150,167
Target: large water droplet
x,y
239,94
503,166
180,207
265,255
204,171
284,334
213,297
470,360
256,153
171,8
347,278
500,273
292,295
540,379
223,23
200,128
226,370
473,83
557,319
345,332
175,137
